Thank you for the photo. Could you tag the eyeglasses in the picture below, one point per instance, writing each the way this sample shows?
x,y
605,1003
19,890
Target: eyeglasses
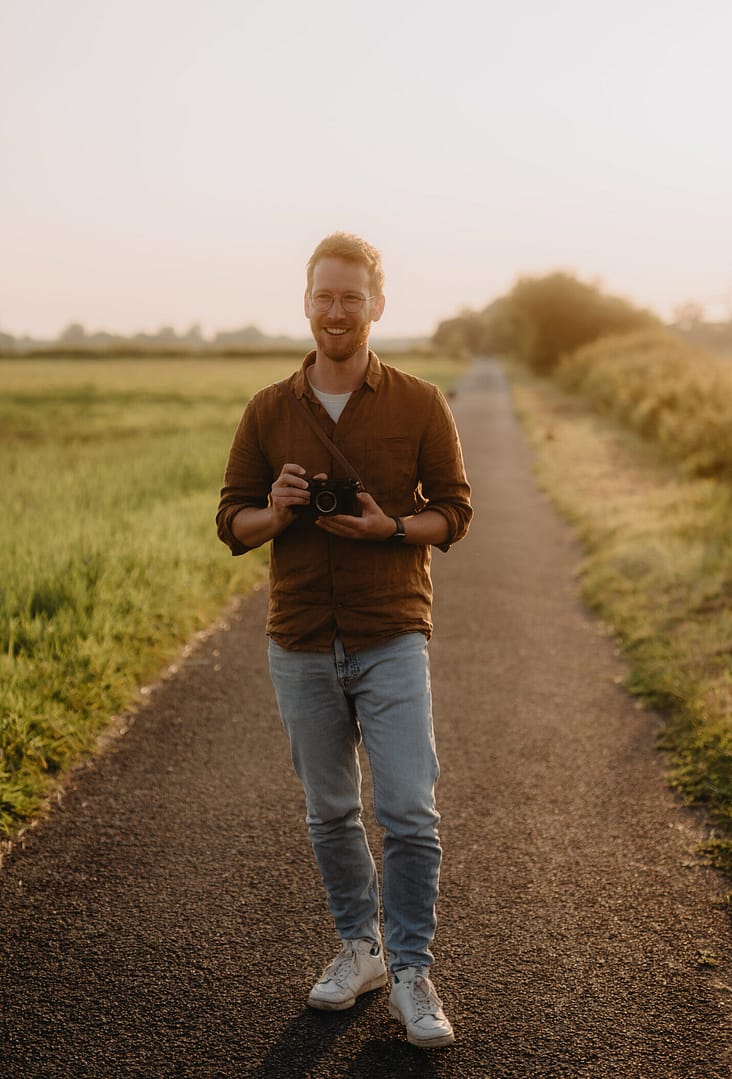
x,y
352,302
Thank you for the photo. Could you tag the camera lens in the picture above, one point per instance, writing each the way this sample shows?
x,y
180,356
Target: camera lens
x,y
326,501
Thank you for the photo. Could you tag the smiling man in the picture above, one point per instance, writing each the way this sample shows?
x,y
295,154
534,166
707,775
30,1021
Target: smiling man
x,y
339,312
350,617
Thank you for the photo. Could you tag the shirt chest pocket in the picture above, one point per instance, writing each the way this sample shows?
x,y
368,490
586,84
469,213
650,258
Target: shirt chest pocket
x,y
390,469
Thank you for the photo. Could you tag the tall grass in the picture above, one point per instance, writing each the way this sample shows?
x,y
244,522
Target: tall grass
x,y
658,570
664,389
109,479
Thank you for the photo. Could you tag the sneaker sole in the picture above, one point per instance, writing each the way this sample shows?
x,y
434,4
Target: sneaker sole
x,y
325,1005
438,1042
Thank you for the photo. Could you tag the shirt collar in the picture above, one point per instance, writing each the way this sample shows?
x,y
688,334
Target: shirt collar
x,y
301,386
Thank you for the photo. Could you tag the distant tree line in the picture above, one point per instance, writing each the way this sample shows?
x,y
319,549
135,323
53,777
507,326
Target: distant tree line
x,y
544,318
76,340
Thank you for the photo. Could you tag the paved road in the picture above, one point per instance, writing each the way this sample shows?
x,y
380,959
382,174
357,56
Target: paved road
x,y
167,920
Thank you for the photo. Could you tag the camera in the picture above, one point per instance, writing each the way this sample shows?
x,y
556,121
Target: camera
x,y
329,497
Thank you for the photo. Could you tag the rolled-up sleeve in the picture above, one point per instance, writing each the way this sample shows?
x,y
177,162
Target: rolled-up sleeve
x,y
442,471
247,480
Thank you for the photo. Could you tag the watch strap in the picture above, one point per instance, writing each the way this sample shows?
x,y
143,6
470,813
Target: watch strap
x,y
399,535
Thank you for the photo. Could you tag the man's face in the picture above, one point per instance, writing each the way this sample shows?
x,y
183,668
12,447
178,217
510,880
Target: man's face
x,y
339,334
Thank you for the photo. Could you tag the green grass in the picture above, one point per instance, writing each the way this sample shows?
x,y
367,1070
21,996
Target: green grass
x,y
109,562
658,571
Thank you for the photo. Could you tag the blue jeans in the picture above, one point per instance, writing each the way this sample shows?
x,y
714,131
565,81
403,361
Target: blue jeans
x,y
328,702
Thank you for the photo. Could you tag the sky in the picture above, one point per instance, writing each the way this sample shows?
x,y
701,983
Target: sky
x,y
170,162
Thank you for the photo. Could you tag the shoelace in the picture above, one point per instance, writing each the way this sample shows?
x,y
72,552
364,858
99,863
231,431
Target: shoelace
x,y
426,1000
346,961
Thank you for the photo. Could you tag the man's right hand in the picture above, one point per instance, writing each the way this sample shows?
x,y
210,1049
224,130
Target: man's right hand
x,y
289,489
253,527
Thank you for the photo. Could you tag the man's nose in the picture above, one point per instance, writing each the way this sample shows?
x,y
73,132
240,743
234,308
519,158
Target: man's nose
x,y
336,304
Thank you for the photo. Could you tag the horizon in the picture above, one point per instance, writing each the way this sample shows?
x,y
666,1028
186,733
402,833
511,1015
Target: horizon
x,y
182,335
167,166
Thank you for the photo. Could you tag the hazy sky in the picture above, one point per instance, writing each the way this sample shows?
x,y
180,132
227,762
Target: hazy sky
x,y
165,161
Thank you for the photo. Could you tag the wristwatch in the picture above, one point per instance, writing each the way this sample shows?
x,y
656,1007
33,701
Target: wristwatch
x,y
399,534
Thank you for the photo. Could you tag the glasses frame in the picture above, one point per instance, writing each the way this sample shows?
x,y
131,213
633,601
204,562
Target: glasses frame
x,y
322,310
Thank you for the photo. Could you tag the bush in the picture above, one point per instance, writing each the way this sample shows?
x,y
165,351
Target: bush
x,y
539,320
665,389
556,314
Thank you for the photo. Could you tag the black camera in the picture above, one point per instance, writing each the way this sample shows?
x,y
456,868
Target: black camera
x,y
329,497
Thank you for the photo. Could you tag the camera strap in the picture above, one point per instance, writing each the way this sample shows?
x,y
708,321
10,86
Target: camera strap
x,y
284,388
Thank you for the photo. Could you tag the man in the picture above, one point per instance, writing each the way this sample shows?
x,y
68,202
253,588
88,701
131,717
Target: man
x,y
349,618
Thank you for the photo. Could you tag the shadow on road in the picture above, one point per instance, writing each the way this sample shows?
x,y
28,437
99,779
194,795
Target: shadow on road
x,y
314,1035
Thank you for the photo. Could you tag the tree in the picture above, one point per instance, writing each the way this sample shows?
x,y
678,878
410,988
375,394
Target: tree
x,y
688,315
74,334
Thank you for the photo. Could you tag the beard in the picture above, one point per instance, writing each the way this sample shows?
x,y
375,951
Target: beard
x,y
343,347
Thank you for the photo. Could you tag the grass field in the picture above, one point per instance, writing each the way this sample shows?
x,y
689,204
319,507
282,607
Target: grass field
x,y
109,479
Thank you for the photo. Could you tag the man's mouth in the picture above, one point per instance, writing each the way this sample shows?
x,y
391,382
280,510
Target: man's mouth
x,y
336,331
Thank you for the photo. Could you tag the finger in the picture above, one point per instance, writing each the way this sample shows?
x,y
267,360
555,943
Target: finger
x,y
291,477
342,525
292,469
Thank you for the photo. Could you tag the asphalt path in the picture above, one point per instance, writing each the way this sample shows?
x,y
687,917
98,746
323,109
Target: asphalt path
x,y
167,919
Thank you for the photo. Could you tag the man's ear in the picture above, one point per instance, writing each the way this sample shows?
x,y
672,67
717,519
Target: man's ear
x,y
378,308
306,303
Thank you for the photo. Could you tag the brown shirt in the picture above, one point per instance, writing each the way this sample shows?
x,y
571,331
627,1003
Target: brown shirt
x,y
399,434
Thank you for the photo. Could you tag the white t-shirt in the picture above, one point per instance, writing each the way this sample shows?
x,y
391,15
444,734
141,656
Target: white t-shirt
x,y
333,403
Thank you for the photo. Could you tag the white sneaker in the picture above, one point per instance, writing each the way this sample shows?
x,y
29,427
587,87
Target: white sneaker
x,y
415,1003
358,968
